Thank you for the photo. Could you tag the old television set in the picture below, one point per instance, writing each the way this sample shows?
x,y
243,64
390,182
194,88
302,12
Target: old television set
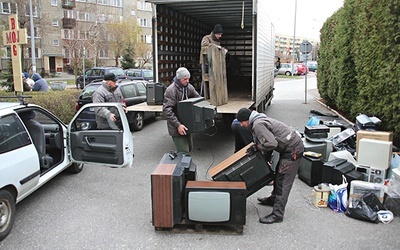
x,y
310,171
253,170
216,203
167,189
155,93
196,114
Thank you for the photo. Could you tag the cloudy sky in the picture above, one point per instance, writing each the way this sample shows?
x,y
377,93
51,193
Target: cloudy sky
x,y
311,14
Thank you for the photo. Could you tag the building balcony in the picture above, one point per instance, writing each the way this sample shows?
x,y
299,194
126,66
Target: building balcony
x,y
69,23
68,4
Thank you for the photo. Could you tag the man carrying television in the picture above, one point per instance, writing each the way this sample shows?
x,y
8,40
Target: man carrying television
x,y
179,90
270,134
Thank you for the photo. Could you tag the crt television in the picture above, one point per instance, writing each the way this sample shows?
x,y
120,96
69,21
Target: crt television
x,y
253,170
196,114
215,203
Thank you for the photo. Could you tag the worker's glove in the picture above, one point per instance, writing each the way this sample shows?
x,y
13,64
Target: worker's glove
x,y
251,150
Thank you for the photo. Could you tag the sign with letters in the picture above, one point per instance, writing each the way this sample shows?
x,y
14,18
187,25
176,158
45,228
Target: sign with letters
x,y
14,37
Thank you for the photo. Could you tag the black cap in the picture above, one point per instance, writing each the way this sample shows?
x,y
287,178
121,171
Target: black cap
x,y
218,29
110,77
243,114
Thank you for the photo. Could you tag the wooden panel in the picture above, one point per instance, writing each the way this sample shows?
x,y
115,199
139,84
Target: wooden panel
x,y
161,194
229,161
216,184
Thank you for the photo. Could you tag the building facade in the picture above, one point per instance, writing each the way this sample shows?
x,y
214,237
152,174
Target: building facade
x,y
284,45
69,32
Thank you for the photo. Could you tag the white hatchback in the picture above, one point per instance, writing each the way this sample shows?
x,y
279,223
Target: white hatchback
x,y
35,146
286,69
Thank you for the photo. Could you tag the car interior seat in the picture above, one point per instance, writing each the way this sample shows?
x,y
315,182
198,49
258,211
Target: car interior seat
x,y
36,131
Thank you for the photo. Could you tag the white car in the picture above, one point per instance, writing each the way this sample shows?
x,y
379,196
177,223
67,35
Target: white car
x,y
286,69
35,146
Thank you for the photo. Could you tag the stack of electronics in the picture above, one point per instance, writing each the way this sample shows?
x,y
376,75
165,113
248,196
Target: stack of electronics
x,y
317,133
178,199
315,155
196,114
374,159
251,169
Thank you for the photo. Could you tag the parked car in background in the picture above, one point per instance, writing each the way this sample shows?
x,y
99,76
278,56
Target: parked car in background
x,y
133,91
36,146
98,73
139,74
302,69
286,69
312,66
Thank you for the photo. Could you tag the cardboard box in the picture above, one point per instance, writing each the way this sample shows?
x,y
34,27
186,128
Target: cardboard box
x,y
376,135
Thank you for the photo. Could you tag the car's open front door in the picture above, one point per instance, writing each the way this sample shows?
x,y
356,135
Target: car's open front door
x,y
94,138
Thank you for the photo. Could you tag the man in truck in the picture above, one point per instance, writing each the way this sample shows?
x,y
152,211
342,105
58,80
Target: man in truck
x,y
212,39
179,90
270,134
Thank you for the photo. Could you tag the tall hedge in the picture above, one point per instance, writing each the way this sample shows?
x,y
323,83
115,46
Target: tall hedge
x,y
359,61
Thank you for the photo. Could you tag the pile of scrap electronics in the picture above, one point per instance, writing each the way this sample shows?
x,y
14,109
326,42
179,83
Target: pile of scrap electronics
x,y
362,153
178,198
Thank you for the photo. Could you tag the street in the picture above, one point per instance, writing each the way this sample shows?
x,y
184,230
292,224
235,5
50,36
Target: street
x,y
108,208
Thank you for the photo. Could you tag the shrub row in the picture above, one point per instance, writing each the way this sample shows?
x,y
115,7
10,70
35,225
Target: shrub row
x,y
60,103
359,61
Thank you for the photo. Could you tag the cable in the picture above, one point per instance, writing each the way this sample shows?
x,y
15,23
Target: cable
x,y
258,212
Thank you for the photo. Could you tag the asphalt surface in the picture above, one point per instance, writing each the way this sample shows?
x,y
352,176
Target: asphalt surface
x,y
104,208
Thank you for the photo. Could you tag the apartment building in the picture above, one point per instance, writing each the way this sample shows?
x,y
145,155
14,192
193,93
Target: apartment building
x,y
67,32
284,45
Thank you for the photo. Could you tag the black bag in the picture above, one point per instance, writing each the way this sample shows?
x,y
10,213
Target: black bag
x,y
363,210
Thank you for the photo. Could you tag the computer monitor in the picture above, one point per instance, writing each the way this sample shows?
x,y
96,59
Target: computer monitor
x,y
196,114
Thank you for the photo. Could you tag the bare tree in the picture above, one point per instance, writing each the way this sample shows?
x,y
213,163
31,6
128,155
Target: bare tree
x,y
122,35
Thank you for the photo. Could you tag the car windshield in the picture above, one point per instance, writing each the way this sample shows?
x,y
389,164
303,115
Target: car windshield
x,y
117,72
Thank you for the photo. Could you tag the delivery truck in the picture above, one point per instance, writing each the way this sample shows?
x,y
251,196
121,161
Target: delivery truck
x,y
248,36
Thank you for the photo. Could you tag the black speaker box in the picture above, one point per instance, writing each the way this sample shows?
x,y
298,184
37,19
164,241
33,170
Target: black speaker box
x,y
310,171
155,93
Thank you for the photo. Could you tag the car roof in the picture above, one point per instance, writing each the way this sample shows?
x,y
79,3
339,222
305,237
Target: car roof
x,y
5,105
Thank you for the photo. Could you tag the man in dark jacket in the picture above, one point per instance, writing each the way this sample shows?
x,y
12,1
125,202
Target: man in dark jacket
x,y
40,83
108,92
270,134
179,90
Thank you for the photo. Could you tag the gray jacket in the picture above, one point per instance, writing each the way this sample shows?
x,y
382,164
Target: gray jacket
x,y
173,94
104,94
270,134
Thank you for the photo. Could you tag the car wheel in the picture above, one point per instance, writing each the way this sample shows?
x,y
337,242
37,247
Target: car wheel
x,y
137,123
7,213
288,73
75,168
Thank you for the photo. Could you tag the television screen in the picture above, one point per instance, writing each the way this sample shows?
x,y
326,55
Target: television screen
x,y
215,203
196,114
209,206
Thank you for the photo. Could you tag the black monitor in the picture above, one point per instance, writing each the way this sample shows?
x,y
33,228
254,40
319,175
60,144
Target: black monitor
x,y
253,170
155,93
196,114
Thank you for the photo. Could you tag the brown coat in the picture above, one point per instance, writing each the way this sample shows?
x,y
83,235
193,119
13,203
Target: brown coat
x,y
207,41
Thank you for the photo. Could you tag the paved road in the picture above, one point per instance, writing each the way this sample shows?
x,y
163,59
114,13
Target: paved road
x,y
104,208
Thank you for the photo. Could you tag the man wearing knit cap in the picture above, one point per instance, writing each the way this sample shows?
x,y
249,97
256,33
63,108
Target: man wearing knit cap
x,y
212,39
179,90
270,134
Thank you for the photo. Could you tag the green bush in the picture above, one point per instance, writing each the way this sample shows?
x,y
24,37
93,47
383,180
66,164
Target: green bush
x,y
359,61
60,103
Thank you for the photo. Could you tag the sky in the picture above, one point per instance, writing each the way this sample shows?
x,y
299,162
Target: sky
x,y
310,16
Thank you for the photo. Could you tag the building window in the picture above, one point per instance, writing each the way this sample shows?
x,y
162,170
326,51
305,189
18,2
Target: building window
x,y
53,2
36,53
103,53
8,8
28,11
133,13
56,43
54,22
143,22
